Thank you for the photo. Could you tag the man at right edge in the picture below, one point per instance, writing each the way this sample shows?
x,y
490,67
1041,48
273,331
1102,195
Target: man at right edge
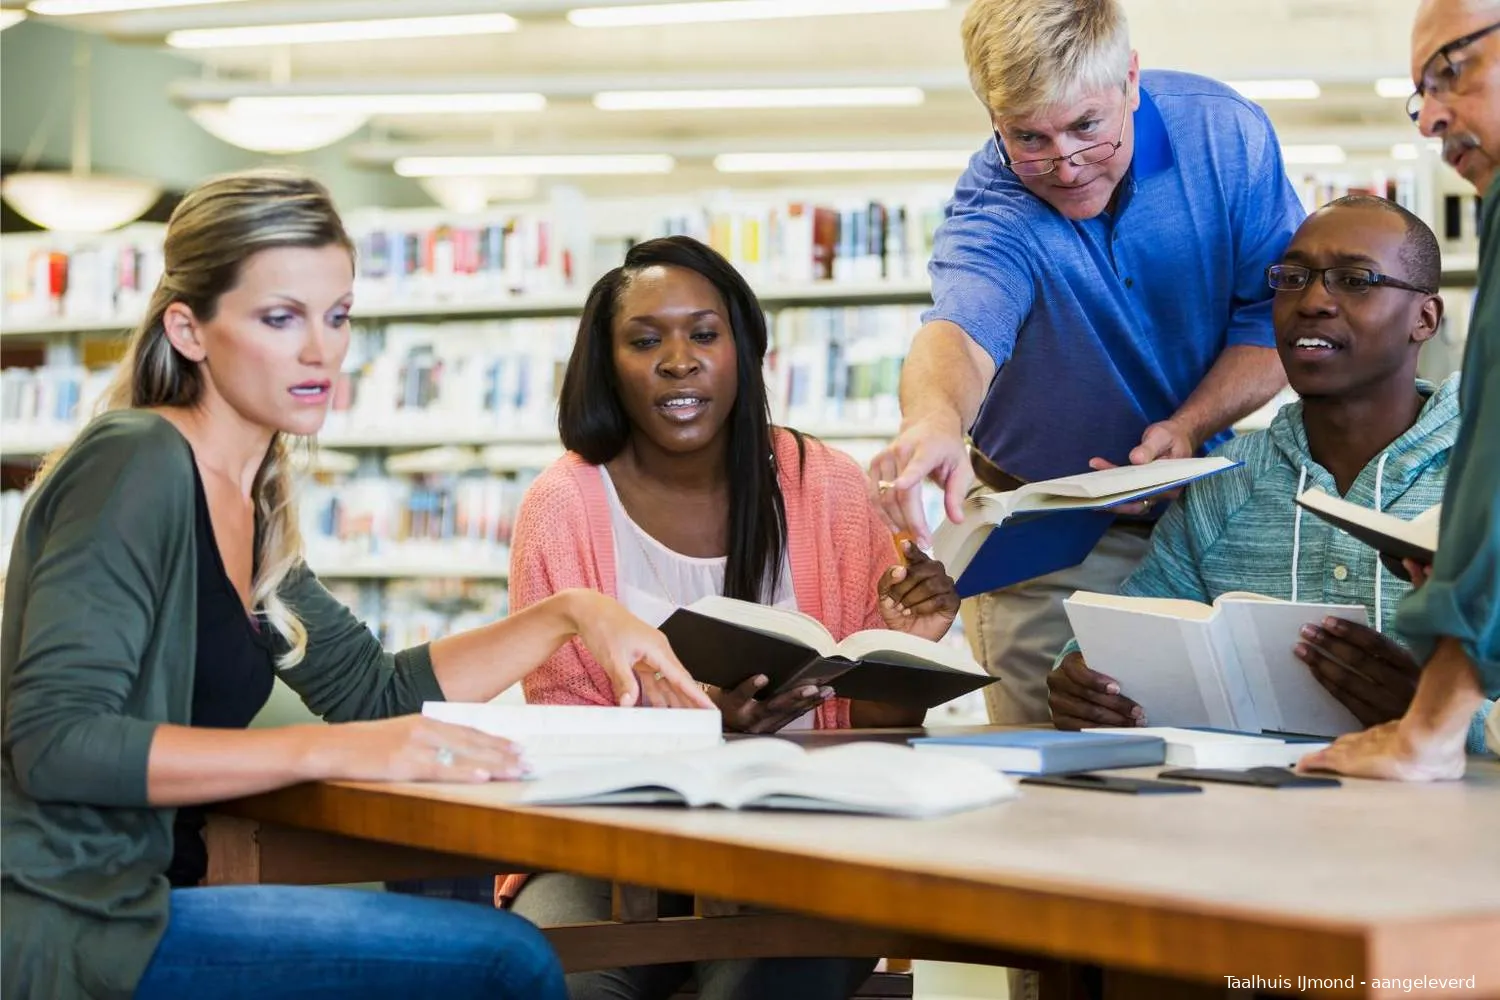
x,y
1454,617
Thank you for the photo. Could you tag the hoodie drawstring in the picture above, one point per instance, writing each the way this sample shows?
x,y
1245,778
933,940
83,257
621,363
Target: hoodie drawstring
x,y
1297,533
1379,475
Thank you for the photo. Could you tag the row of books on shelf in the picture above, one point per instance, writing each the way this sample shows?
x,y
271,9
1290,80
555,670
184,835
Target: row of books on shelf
x,y
829,368
460,521
414,262
406,613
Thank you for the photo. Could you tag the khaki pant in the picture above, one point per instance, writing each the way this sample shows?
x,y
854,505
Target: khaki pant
x,y
1016,633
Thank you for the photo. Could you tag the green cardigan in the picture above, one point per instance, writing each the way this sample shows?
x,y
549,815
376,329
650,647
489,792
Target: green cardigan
x,y
98,649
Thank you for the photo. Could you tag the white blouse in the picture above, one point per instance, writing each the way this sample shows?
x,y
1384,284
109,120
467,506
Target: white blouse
x,y
652,580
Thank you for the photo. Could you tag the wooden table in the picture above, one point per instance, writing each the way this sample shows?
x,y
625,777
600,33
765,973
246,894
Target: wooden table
x,y
1172,895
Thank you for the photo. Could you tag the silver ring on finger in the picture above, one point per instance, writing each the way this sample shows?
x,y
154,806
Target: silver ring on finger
x,y
445,757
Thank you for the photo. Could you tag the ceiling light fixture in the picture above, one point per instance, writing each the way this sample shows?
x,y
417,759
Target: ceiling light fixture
x,y
11,17
341,31
79,201
1313,155
1277,90
389,104
772,163
534,166
280,132
1394,87
69,8
817,97
737,10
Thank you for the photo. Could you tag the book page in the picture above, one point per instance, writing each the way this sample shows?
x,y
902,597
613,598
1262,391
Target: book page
x,y
884,640
698,778
1172,607
1151,657
876,778
1288,698
1421,531
1112,484
787,623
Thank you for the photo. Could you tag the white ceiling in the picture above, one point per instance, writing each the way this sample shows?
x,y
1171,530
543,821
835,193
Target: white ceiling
x,y
1343,44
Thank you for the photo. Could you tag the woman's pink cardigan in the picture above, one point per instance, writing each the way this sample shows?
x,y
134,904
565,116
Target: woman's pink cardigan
x,y
836,543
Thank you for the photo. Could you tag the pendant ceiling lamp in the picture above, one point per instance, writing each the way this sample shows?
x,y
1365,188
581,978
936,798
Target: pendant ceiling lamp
x,y
79,200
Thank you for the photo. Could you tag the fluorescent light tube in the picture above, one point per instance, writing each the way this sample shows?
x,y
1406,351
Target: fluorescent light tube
x,y
1277,90
1395,87
341,31
819,97
388,104
533,166
67,8
1313,155
1404,151
771,163
737,10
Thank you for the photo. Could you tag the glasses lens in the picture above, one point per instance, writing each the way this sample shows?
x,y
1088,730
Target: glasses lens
x,y
1032,168
1089,155
1286,277
1414,106
1353,280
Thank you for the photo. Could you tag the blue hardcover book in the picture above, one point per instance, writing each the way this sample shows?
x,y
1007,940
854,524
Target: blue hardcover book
x,y
1049,751
1046,526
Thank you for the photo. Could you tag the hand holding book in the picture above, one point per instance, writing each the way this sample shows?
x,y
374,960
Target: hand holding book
x,y
1371,675
743,713
1081,698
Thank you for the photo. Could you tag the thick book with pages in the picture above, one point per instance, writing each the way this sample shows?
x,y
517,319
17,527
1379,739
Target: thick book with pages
x,y
553,737
1392,537
770,773
723,641
1228,665
1042,527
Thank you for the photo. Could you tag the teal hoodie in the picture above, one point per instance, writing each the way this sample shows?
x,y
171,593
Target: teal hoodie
x,y
1240,530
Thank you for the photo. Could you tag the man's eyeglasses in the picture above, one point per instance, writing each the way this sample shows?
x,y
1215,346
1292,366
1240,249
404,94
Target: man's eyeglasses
x,y
1440,73
1087,156
1337,280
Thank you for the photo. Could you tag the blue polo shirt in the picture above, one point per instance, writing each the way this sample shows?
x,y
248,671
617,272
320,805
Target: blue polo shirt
x,y
1105,326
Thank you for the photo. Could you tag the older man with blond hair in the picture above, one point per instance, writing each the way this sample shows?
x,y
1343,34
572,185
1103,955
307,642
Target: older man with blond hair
x,y
1454,617
1099,297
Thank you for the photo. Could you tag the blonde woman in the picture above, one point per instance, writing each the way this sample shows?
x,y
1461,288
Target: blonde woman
x,y
156,588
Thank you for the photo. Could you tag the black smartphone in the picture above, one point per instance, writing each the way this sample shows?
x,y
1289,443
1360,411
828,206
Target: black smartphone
x,y
1111,783
1258,777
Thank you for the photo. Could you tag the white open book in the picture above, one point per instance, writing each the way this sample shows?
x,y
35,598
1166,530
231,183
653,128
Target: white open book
x,y
1228,665
723,641
877,778
1392,537
1038,545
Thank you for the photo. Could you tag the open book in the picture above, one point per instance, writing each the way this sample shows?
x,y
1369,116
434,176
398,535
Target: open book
x,y
778,774
1228,665
724,641
1046,526
1392,537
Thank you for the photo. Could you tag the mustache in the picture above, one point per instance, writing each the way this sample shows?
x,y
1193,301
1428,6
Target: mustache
x,y
1456,145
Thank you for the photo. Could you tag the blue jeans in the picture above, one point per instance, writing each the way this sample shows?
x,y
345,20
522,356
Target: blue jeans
x,y
265,942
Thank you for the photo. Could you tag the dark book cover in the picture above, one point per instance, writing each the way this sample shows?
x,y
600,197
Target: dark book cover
x,y
726,655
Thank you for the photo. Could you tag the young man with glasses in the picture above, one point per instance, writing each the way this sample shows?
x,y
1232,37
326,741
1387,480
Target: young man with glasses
x,y
1453,618
1355,299
1099,296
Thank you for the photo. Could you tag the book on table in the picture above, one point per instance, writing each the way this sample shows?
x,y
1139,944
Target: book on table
x,y
1394,538
1223,748
554,737
724,642
1049,751
1227,665
1042,527
769,773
